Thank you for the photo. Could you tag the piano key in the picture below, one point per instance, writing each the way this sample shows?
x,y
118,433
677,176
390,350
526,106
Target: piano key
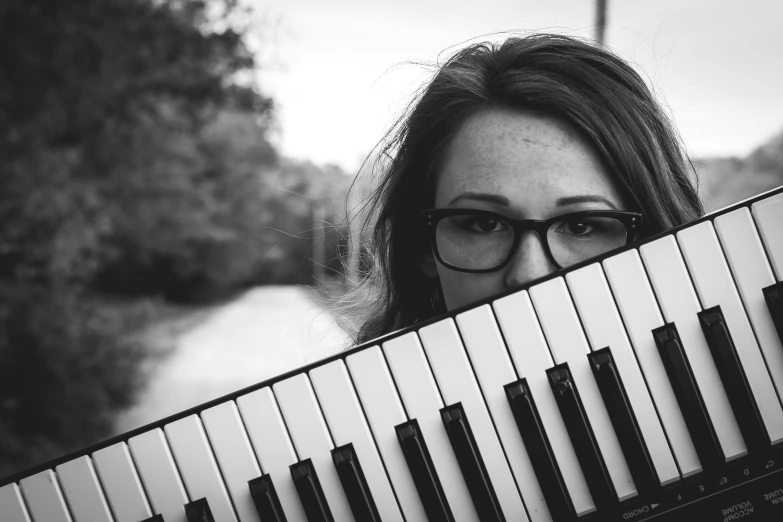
x,y
494,370
543,459
690,399
44,498
428,485
532,358
348,425
639,310
748,262
679,304
154,518
624,420
422,401
773,295
354,483
582,436
384,411
457,384
265,498
471,463
715,287
12,505
568,344
162,482
234,454
604,328
768,215
311,492
734,379
197,466
83,491
199,511
311,438
269,437
121,483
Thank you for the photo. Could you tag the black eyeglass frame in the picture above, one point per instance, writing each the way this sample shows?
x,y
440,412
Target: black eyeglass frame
x,y
431,218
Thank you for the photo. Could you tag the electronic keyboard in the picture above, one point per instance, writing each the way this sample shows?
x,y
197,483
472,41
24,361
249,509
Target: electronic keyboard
x,y
642,385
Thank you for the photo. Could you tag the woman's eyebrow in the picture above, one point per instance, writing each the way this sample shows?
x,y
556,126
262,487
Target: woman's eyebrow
x,y
571,200
482,196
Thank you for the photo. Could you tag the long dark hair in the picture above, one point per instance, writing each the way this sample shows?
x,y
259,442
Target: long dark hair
x,y
595,91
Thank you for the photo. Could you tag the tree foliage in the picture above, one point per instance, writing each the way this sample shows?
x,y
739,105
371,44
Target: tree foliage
x,y
134,160
103,105
726,181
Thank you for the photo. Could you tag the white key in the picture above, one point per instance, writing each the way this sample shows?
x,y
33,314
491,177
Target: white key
x,y
159,474
423,402
531,356
604,327
234,455
348,425
82,491
494,370
273,447
121,483
197,466
12,505
752,273
679,305
634,297
311,438
768,214
567,343
384,411
715,286
44,498
457,383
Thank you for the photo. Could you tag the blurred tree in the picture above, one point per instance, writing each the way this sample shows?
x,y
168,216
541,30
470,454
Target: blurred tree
x,y
184,201
102,107
726,181
303,204
132,150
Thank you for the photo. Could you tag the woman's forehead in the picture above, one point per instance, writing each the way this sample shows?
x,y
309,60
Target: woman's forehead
x,y
520,155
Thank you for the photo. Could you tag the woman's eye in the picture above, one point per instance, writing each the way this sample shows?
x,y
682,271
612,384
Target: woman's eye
x,y
487,224
577,228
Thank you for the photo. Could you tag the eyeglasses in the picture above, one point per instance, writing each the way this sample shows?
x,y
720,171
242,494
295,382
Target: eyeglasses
x,y
481,241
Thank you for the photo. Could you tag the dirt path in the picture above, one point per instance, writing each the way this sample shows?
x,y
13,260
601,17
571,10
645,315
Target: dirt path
x,y
265,332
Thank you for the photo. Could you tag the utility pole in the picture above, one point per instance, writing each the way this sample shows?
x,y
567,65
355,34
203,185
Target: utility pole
x,y
600,21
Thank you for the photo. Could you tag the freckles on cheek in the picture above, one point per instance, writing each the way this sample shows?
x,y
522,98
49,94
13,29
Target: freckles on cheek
x,y
454,286
461,288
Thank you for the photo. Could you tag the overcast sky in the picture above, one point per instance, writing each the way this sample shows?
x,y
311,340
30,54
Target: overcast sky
x,y
339,70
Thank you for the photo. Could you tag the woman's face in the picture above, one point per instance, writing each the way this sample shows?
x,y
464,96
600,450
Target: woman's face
x,y
522,166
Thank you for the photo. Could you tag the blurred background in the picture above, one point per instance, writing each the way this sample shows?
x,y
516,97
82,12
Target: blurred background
x,y
174,176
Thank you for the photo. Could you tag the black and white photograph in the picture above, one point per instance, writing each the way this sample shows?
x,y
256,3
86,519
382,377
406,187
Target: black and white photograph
x,y
399,261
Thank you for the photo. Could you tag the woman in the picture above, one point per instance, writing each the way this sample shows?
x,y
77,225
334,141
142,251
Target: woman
x,y
542,128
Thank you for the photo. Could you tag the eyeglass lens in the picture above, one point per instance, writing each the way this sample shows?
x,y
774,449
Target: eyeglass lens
x,y
483,243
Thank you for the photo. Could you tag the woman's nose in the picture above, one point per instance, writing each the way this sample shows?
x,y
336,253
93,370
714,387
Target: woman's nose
x,y
529,262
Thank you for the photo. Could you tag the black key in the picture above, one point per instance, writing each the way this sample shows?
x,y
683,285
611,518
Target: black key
x,y
624,421
734,380
423,472
354,483
773,295
198,511
310,492
540,451
582,437
265,498
689,397
154,518
472,465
